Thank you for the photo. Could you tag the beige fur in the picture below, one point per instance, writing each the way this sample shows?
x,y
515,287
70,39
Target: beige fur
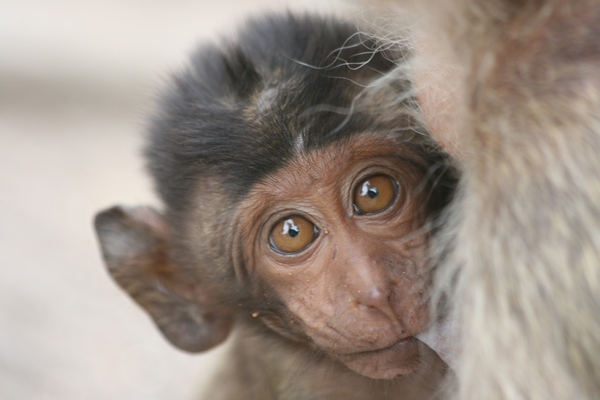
x,y
521,113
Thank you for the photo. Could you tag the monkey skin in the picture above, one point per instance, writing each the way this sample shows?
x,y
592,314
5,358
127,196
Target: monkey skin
x,y
297,212
525,225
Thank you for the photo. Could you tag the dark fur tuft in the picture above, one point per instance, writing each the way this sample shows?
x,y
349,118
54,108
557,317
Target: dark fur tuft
x,y
240,111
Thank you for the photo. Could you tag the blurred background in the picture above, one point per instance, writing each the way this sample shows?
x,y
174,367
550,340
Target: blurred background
x,y
76,80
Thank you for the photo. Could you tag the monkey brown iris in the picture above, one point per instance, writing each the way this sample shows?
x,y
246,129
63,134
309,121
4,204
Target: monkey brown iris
x,y
266,229
292,234
374,194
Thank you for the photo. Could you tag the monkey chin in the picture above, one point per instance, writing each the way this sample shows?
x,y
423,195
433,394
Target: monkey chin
x,y
400,359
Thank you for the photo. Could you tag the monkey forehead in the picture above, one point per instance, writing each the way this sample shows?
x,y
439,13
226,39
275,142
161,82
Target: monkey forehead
x,y
324,169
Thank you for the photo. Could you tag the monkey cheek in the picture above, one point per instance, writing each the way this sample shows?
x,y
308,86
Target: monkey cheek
x,y
402,358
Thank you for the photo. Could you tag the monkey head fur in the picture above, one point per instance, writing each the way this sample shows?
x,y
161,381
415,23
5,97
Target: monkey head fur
x,y
285,128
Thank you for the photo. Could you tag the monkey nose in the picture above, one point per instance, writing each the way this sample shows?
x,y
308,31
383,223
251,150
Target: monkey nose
x,y
366,279
376,300
372,296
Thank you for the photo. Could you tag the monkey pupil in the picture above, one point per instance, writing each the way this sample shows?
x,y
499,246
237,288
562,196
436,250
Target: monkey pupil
x,y
372,193
294,231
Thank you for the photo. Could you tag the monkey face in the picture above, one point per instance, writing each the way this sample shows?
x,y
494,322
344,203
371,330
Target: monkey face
x,y
336,241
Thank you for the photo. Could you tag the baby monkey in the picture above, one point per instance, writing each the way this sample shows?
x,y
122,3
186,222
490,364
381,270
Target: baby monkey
x,y
299,191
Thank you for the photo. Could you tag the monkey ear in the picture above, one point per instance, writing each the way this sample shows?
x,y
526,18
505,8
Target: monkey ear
x,y
136,253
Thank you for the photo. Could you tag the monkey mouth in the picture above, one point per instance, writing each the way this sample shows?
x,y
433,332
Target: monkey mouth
x,y
406,339
399,359
364,352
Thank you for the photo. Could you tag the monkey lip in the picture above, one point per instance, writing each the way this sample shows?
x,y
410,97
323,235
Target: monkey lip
x,y
405,340
396,360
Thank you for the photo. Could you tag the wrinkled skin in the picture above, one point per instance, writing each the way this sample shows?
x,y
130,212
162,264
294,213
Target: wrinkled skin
x,y
358,291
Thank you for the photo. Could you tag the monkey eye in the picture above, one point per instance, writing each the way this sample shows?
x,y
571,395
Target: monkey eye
x,y
292,234
374,194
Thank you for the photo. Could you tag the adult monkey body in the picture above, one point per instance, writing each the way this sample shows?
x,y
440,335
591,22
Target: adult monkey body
x,y
525,112
295,208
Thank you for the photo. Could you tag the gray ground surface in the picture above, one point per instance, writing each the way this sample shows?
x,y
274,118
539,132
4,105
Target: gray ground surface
x,y
76,79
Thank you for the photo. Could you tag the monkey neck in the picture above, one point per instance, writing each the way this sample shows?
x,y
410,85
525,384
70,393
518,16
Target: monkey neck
x,y
264,365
